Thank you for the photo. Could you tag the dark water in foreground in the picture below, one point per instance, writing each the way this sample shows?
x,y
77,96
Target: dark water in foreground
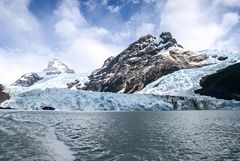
x,y
127,136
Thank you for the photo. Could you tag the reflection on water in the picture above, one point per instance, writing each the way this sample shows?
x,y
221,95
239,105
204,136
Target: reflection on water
x,y
183,135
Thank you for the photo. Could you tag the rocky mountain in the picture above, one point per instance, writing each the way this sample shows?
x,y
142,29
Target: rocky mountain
x,y
223,84
27,80
141,63
54,68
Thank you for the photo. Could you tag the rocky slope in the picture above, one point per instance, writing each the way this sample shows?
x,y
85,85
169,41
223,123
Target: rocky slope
x,y
141,63
27,80
224,84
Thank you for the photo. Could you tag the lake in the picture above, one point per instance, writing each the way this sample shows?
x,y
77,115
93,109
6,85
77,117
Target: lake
x,y
126,136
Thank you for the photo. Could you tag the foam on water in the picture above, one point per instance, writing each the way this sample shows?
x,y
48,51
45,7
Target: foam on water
x,y
27,140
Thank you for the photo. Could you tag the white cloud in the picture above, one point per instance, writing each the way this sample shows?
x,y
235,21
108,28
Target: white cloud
x,y
17,22
65,28
104,2
230,19
83,45
229,43
70,10
15,62
114,9
19,29
135,1
228,3
149,1
86,54
144,29
194,25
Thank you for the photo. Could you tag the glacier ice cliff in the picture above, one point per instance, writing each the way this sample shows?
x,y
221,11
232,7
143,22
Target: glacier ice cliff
x,y
64,99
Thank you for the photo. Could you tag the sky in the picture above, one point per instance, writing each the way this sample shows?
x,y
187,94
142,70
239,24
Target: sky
x,y
83,33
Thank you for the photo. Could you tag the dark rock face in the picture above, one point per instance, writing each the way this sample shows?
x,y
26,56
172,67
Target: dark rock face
x,y
5,108
74,84
1,87
189,103
3,96
168,41
222,58
27,80
141,64
224,84
47,108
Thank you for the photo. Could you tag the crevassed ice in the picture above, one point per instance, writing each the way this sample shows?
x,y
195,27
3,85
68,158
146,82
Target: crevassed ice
x,y
185,81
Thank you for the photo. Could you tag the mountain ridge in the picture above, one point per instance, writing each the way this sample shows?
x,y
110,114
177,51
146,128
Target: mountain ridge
x,y
164,76
141,63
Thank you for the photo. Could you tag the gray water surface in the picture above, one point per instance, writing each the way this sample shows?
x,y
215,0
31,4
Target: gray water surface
x,y
127,136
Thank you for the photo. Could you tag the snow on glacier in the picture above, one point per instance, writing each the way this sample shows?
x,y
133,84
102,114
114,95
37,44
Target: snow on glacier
x,y
185,81
49,81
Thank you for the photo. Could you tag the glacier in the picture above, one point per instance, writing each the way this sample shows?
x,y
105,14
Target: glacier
x,y
174,91
185,81
65,99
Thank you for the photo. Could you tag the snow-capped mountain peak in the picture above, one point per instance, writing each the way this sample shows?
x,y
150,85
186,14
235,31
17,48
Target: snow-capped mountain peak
x,y
143,62
167,41
55,66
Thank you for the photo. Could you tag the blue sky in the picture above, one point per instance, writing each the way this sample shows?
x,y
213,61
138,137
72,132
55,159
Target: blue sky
x,y
83,33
